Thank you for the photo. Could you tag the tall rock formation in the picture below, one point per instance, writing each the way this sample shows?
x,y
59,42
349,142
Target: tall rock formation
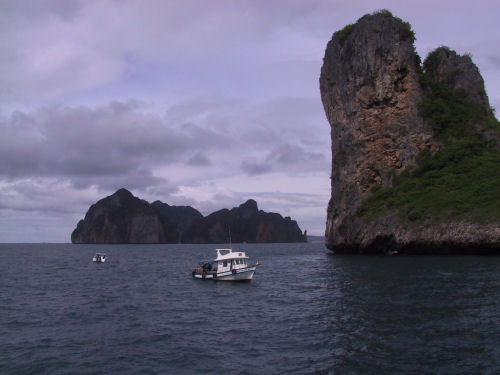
x,y
245,223
123,218
371,89
457,72
184,216
369,86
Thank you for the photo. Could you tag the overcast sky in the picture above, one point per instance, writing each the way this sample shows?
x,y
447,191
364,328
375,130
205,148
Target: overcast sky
x,y
202,103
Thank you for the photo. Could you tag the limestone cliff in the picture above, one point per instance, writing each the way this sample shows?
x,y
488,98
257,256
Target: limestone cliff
x,y
372,88
457,72
184,216
123,218
245,223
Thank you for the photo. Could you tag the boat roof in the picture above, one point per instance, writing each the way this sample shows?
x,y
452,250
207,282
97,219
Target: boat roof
x,y
224,254
100,254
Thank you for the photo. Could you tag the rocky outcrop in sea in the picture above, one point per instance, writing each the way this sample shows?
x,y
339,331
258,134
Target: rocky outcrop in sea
x,y
400,133
124,218
245,223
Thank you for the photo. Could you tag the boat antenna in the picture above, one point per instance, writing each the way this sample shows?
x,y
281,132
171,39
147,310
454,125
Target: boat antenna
x,y
229,230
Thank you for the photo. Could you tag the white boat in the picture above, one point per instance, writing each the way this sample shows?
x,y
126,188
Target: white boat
x,y
227,266
99,258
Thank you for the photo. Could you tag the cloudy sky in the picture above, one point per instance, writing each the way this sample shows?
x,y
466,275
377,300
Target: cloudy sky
x,y
202,103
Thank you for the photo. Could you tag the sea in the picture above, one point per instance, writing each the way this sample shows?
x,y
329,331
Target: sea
x,y
307,311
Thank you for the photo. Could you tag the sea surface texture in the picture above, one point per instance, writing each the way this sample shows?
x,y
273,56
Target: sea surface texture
x,y
306,312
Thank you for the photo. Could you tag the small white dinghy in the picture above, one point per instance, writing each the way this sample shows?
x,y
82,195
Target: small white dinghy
x,y
227,266
99,258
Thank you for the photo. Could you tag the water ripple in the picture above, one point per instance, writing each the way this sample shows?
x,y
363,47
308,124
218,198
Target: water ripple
x,y
306,312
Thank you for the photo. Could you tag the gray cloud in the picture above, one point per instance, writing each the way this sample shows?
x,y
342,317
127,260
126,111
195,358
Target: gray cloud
x,y
297,158
52,197
253,168
199,160
96,146
288,158
55,48
121,143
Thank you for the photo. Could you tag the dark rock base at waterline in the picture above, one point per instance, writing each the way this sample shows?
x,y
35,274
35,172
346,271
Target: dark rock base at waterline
x,y
387,246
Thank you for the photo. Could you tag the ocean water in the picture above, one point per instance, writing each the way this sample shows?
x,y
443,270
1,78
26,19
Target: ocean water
x,y
306,312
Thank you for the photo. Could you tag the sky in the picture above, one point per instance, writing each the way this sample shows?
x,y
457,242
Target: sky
x,y
202,103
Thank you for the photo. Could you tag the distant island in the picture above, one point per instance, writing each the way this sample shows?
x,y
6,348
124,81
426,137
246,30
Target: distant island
x,y
415,147
124,218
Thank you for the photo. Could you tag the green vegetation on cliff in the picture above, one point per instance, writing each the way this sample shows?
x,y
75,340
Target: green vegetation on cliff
x,y
405,33
344,33
460,181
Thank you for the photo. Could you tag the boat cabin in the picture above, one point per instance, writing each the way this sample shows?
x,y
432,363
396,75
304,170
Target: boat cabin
x,y
227,260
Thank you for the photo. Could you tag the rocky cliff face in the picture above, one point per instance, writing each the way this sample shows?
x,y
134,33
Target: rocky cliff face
x,y
123,218
184,216
371,88
457,72
245,223
460,73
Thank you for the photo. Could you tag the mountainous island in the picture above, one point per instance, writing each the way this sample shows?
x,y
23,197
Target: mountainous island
x,y
124,218
415,146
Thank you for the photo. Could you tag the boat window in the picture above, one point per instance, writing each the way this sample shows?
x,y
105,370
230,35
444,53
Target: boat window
x,y
225,263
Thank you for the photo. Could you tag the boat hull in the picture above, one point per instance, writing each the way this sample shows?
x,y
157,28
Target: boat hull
x,y
206,276
245,274
241,275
